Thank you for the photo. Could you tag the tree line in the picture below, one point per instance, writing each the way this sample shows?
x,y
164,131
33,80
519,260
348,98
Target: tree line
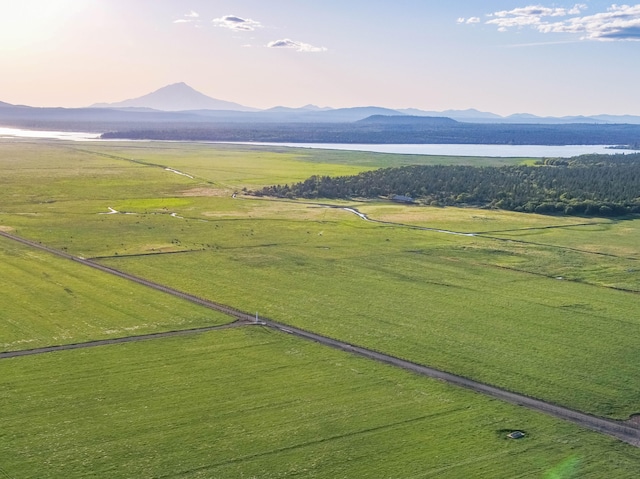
x,y
591,185
391,130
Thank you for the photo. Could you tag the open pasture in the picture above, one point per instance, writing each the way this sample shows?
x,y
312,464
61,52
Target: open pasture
x,y
48,300
470,220
598,251
433,298
476,306
254,403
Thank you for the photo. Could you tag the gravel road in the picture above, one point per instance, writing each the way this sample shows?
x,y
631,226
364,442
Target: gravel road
x,y
627,431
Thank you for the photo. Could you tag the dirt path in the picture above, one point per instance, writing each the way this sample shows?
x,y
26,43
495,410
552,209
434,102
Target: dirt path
x,y
126,339
488,234
239,315
628,431
391,223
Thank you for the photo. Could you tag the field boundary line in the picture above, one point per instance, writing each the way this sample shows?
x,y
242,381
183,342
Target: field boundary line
x,y
627,432
553,246
124,339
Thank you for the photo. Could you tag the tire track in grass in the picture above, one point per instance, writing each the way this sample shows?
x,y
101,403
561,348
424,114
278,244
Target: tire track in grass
x,y
627,431
310,443
504,240
109,341
553,246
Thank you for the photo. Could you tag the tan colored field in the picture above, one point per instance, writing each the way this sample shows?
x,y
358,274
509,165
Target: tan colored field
x,y
468,220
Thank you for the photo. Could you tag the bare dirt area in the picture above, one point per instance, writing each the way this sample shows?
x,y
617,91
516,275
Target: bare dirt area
x,y
634,420
6,228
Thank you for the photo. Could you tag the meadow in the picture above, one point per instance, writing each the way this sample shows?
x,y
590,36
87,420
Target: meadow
x,y
48,300
543,305
254,403
432,298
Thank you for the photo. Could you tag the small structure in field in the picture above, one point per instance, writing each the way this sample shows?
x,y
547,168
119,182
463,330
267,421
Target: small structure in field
x,y
402,199
516,435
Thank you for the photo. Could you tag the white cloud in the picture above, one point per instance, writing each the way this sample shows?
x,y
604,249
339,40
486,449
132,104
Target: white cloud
x,y
191,17
577,9
469,20
539,11
298,46
233,22
619,22
529,16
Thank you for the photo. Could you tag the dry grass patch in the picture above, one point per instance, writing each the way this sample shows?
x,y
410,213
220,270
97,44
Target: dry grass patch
x,y
204,191
468,220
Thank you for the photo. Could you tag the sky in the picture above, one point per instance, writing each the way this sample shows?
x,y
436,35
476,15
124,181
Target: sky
x,y
549,58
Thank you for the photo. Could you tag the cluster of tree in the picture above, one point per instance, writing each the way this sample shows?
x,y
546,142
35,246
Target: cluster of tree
x,y
390,130
592,185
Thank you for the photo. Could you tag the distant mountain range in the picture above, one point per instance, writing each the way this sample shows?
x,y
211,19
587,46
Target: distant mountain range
x,y
176,97
181,97
182,104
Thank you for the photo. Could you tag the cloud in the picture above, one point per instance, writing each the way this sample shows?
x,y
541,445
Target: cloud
x,y
298,46
469,21
619,22
191,17
233,22
538,11
530,16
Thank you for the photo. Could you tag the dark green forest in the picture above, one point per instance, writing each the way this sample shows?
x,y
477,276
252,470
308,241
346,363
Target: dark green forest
x,y
388,131
590,185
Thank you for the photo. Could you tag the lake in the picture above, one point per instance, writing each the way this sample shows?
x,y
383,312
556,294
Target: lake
x,y
52,135
504,151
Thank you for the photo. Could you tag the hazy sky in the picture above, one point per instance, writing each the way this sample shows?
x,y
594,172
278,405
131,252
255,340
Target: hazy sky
x,y
547,58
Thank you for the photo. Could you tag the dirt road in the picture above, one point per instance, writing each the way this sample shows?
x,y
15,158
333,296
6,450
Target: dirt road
x,y
125,339
628,432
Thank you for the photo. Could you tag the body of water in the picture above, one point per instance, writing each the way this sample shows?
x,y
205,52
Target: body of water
x,y
503,151
52,135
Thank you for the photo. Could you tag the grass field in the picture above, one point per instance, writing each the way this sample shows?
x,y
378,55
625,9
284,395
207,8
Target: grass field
x,y
253,403
433,298
541,305
48,300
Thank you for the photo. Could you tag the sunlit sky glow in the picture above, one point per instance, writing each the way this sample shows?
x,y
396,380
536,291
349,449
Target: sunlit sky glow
x,y
546,58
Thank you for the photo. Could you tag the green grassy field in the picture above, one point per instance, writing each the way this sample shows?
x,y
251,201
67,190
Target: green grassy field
x,y
481,307
433,298
533,304
254,403
597,251
48,300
